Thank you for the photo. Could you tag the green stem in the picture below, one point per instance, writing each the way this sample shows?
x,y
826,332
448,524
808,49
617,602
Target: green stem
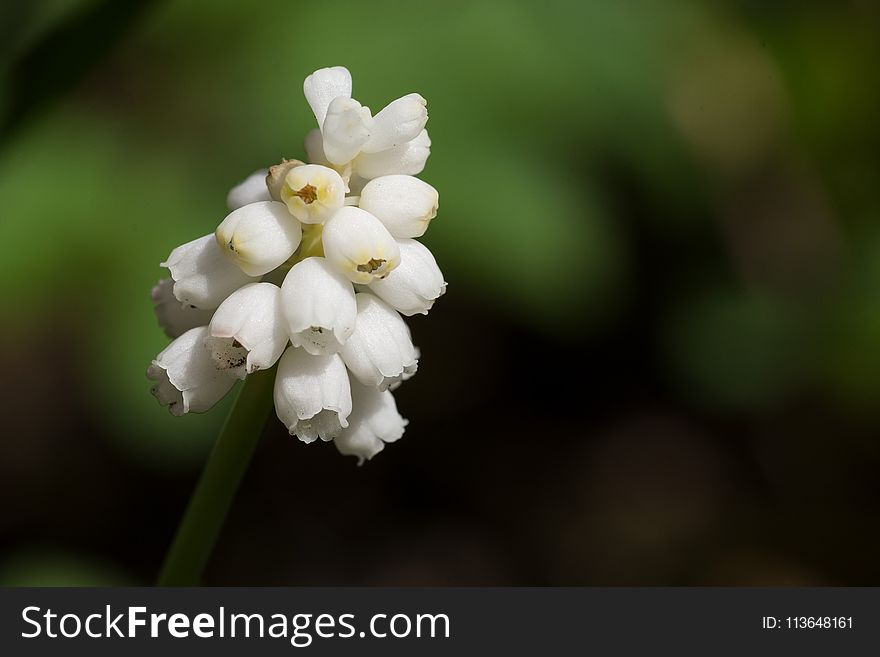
x,y
203,520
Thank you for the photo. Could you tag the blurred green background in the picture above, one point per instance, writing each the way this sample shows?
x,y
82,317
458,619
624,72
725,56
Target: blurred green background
x,y
658,361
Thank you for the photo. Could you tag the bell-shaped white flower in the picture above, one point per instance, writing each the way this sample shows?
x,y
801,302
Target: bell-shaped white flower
x,y
408,158
322,86
174,317
415,284
313,192
259,237
250,318
318,306
359,246
345,130
374,421
187,379
312,395
399,122
380,352
250,190
202,276
404,204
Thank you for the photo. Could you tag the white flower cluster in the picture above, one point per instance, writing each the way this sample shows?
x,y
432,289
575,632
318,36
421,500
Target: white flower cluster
x,y
312,269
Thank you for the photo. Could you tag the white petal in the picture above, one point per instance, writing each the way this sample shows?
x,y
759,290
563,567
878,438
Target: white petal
x,y
259,237
185,375
380,352
203,277
407,158
400,122
251,190
404,204
251,316
313,193
374,421
228,355
322,86
312,395
174,317
314,146
318,306
415,284
345,129
359,246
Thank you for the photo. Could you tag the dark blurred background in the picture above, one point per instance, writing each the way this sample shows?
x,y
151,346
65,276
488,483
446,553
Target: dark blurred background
x,y
658,361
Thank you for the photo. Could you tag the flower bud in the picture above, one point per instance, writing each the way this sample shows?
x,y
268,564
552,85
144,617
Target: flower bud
x,y
322,86
313,193
250,319
359,246
345,129
318,306
380,352
312,395
259,237
408,158
186,377
251,190
203,277
374,421
399,122
404,204
415,284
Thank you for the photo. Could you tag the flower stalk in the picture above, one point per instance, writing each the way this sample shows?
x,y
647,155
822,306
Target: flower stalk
x,y
227,463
